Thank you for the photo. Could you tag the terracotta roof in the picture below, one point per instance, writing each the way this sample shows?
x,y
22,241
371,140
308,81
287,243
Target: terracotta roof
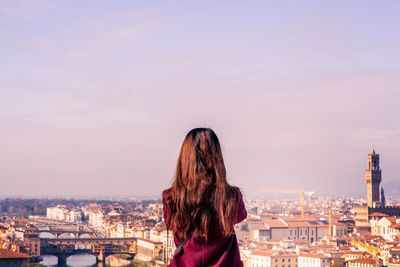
x,y
8,254
364,260
305,224
273,223
339,224
273,254
301,241
298,218
378,214
355,252
394,262
262,253
395,225
314,256
344,248
266,214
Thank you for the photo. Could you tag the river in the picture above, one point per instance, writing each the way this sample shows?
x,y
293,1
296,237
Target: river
x,y
83,260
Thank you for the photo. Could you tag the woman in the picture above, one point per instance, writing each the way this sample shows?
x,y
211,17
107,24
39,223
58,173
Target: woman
x,y
201,208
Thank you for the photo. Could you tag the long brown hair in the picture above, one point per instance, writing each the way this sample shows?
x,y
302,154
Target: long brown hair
x,y
200,193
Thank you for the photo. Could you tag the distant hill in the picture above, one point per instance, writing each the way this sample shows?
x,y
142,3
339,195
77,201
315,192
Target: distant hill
x,y
392,189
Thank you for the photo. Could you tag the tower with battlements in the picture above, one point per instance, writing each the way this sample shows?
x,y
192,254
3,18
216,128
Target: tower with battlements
x,y
373,178
375,195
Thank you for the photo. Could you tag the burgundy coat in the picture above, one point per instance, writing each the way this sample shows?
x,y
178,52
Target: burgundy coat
x,y
219,251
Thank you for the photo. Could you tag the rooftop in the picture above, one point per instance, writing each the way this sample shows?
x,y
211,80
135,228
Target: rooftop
x,y
8,254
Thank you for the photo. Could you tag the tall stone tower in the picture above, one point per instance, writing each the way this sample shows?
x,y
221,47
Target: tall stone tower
x,y
373,177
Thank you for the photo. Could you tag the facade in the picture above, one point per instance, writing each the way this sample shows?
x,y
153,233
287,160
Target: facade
x,y
62,213
245,256
365,262
387,227
34,246
314,260
353,255
273,259
168,244
296,228
96,219
147,250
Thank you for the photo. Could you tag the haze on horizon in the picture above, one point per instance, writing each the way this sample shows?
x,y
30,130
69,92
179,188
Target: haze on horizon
x,y
97,96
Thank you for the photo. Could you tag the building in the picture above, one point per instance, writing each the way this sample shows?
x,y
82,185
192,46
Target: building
x,y
365,262
375,195
373,178
273,259
148,250
388,227
394,263
168,244
314,260
62,213
308,229
11,258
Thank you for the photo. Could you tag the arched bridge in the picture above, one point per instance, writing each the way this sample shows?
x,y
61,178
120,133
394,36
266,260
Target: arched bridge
x,y
74,231
100,247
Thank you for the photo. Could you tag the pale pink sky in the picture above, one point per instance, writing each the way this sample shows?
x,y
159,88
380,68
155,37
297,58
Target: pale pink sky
x,y
96,97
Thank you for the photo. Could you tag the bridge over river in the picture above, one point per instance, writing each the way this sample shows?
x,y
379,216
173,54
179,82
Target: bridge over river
x,y
100,247
67,231
61,229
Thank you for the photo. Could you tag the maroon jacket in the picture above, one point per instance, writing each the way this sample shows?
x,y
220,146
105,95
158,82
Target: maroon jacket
x,y
219,251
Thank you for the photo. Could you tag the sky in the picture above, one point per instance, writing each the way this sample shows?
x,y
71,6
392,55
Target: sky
x,y
97,96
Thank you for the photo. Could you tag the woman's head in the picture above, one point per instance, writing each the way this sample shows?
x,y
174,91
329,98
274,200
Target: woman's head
x,y
200,192
200,164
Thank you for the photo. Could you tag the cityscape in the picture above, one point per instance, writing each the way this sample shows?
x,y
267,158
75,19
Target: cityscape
x,y
199,133
298,231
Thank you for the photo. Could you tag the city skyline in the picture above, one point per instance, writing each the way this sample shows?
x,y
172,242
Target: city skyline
x,y
96,98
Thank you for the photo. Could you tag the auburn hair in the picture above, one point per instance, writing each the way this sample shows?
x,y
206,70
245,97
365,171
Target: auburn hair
x,y
201,197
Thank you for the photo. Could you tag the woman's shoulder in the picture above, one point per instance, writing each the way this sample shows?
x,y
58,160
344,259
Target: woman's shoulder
x,y
167,191
241,212
166,194
237,191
